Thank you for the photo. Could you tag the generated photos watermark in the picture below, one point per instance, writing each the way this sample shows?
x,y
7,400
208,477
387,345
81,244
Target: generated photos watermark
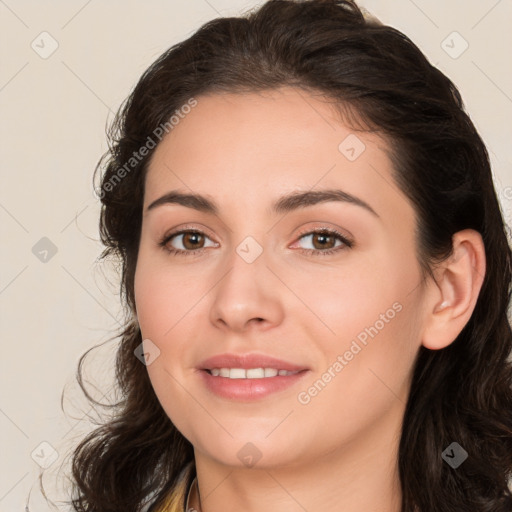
x,y
137,156
305,397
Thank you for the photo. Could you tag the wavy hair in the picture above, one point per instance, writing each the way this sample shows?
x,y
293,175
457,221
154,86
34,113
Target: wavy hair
x,y
380,81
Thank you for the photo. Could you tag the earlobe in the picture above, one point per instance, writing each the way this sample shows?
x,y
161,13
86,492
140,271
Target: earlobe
x,y
453,296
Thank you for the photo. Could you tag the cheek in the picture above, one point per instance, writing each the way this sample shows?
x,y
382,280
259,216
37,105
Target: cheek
x,y
341,303
365,372
164,301
370,317
165,297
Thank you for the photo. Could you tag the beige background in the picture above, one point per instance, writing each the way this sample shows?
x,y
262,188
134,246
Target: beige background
x,y
54,112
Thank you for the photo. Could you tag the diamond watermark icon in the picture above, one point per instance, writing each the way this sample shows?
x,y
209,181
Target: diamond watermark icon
x,y
249,455
249,249
454,455
454,45
44,250
44,454
351,147
147,352
45,45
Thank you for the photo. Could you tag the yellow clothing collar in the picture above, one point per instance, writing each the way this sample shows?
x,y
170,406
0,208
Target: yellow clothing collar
x,y
177,499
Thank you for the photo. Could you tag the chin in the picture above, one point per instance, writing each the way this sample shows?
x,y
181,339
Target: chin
x,y
251,450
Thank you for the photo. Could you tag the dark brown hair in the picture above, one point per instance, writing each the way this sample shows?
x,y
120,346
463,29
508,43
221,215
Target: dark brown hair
x,y
462,393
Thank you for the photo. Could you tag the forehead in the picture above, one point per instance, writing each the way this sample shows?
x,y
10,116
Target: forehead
x,y
285,119
254,147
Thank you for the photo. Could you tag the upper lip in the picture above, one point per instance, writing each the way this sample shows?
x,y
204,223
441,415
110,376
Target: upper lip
x,y
247,361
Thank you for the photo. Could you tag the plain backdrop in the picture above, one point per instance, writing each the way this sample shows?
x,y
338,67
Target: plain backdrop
x,y
65,68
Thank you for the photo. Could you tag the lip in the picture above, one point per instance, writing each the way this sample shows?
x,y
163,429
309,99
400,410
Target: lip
x,y
249,389
247,361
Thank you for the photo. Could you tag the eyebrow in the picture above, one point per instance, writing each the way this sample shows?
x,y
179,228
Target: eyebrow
x,y
284,204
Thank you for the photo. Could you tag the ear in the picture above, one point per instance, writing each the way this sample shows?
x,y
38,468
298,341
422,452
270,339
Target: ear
x,y
452,298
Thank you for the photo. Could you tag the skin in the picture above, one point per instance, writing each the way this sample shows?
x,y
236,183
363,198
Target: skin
x,y
338,451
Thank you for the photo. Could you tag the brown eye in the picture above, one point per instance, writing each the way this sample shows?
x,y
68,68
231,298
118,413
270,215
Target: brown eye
x,y
323,241
192,240
186,241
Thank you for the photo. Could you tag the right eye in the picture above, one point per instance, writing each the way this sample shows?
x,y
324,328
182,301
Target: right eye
x,y
192,242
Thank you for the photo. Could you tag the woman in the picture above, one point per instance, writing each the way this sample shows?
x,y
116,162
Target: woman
x,y
317,277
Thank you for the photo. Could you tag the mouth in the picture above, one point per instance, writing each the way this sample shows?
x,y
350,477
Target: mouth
x,y
250,373
249,377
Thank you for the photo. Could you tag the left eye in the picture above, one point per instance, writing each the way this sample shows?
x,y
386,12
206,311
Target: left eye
x,y
324,241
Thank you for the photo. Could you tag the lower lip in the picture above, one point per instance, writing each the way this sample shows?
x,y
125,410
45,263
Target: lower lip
x,y
249,389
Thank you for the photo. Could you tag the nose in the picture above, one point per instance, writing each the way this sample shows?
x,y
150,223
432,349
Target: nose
x,y
246,297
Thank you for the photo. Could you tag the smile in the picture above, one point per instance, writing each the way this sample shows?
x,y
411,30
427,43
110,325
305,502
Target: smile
x,y
250,373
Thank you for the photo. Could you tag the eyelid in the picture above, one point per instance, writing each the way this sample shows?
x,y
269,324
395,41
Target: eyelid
x,y
348,238
187,228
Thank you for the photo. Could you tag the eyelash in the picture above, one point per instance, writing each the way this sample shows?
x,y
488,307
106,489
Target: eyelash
x,y
347,244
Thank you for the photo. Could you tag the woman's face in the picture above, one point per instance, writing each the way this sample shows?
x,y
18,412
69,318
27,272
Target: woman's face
x,y
266,275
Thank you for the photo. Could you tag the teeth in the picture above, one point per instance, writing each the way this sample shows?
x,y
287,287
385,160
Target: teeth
x,y
236,373
251,373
